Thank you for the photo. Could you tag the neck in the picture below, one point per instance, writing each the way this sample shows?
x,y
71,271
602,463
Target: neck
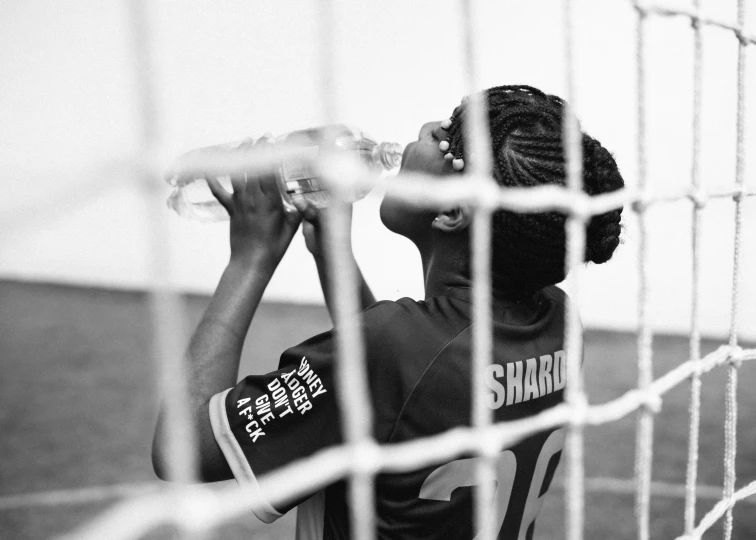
x,y
441,275
442,272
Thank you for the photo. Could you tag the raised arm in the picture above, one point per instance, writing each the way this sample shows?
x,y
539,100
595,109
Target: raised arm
x,y
312,229
260,233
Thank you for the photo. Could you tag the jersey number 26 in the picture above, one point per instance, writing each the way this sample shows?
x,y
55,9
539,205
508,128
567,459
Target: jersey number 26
x,y
461,473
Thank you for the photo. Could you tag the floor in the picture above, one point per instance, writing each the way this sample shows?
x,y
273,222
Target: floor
x,y
77,410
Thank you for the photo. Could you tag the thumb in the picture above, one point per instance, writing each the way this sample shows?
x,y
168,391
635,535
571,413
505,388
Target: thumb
x,y
308,211
311,236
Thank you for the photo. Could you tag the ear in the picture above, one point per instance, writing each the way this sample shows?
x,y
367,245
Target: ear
x,y
453,221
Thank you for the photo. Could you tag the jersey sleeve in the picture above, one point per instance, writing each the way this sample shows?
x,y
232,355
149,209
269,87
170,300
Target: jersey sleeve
x,y
267,421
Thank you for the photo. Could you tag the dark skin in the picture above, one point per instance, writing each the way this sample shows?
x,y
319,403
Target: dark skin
x,y
437,235
260,233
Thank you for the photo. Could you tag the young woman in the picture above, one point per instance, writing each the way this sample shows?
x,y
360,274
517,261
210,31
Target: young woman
x,y
417,352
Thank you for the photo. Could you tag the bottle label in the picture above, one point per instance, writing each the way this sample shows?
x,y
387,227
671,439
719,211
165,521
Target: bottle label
x,y
300,175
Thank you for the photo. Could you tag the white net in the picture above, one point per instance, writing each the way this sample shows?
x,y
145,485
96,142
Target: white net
x,y
197,508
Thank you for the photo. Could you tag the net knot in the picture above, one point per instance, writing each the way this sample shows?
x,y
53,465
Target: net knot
x,y
489,443
696,370
366,458
698,197
695,19
740,193
641,8
487,194
735,358
743,38
580,208
579,410
642,203
651,402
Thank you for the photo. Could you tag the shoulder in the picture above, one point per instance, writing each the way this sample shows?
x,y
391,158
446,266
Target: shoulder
x,y
385,326
555,294
402,339
556,300
389,327
389,313
418,325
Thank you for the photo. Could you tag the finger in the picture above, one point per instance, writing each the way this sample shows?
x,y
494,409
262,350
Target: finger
x,y
244,144
239,183
299,204
307,210
220,193
293,219
268,184
311,237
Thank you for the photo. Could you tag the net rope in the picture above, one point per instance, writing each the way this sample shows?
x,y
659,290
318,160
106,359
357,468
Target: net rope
x,y
197,508
645,423
694,404
575,396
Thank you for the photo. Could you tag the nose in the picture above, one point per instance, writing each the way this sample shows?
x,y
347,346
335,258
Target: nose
x,y
428,127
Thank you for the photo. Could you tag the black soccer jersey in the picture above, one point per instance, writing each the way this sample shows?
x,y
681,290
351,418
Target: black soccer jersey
x,y
418,358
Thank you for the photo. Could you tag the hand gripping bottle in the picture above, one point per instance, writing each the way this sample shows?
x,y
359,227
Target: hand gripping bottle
x,y
296,172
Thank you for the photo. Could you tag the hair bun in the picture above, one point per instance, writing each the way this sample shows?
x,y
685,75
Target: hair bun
x,y
601,175
527,143
603,236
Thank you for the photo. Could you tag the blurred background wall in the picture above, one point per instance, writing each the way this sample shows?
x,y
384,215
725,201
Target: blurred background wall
x,y
72,210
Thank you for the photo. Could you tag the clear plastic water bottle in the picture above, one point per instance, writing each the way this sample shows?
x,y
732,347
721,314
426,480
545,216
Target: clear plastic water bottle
x,y
297,176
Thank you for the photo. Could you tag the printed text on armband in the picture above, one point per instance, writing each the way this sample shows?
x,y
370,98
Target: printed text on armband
x,y
253,427
525,379
277,400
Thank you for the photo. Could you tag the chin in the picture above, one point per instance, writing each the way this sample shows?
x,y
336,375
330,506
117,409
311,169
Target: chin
x,y
406,220
389,215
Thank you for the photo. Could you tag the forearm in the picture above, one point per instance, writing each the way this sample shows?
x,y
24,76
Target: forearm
x,y
366,295
216,345
212,359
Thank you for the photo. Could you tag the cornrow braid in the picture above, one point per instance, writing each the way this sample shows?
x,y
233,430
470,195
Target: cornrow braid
x,y
528,150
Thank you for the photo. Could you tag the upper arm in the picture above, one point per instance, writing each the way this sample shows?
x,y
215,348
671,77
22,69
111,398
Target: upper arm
x,y
268,421
207,457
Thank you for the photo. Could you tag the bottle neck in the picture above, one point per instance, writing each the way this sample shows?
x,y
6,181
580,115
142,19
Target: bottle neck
x,y
389,155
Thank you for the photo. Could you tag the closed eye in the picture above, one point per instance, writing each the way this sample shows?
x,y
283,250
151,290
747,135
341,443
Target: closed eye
x,y
440,134
428,128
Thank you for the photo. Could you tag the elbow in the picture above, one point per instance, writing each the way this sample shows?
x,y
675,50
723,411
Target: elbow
x,y
159,459
165,469
207,461
161,453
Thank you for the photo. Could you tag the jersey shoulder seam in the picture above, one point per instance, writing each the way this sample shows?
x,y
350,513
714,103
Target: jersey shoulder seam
x,y
420,378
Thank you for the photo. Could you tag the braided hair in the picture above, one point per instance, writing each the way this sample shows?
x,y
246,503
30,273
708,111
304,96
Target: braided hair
x,y
528,250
